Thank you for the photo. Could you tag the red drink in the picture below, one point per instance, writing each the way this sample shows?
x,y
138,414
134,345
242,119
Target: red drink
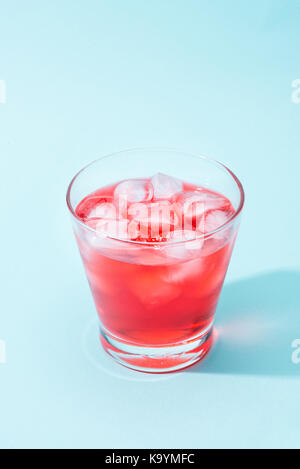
x,y
155,253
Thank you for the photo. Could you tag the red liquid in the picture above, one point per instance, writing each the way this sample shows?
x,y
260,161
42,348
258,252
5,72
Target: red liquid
x,y
151,294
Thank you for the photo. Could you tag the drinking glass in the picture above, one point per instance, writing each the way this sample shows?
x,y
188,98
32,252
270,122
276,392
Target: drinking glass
x,y
156,302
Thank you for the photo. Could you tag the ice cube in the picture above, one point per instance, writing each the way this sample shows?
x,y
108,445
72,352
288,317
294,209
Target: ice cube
x,y
107,234
165,186
156,220
108,237
213,220
191,205
176,251
162,219
104,209
96,206
211,200
138,215
185,271
112,228
149,255
214,201
151,289
121,229
134,190
184,244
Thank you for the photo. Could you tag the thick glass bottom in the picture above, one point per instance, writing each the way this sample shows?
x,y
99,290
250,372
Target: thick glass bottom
x,y
158,359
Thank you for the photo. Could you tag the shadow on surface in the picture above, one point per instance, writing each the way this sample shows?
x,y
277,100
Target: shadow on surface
x,y
257,320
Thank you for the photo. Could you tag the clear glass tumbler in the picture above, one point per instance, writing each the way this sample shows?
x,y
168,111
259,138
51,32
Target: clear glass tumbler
x,y
156,301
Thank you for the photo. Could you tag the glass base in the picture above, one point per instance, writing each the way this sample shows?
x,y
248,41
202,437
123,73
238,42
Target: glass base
x,y
158,359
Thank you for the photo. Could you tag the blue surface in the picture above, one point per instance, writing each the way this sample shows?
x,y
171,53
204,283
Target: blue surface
x,y
86,78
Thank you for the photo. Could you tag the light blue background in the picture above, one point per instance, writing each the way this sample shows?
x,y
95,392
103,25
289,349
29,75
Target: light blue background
x,y
86,78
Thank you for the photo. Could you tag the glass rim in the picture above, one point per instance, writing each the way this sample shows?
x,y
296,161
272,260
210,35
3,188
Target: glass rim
x,y
222,166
